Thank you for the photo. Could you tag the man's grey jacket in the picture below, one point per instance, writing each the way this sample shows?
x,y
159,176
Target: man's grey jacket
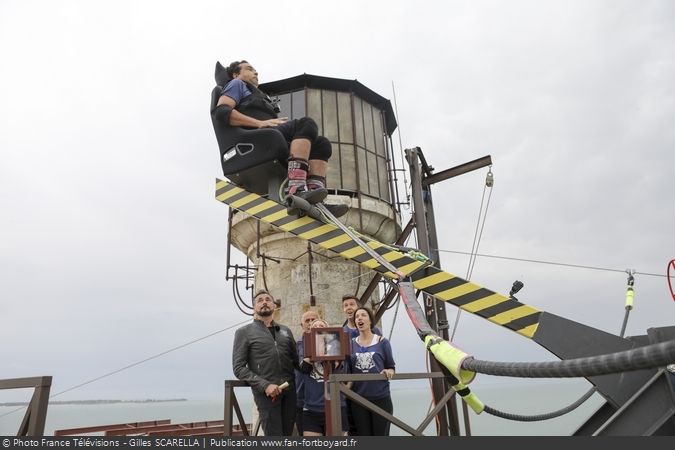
x,y
261,359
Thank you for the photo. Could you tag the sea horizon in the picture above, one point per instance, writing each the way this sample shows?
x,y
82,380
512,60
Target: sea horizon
x,y
411,404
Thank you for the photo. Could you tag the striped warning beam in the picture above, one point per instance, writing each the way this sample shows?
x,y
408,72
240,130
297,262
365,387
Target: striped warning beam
x,y
470,297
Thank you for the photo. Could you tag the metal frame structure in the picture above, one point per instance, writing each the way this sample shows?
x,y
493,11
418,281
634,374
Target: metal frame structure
x,y
640,403
421,178
337,388
155,428
232,408
33,423
637,403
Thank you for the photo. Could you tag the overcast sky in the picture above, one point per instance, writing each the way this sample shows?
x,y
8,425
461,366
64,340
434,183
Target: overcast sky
x,y
113,248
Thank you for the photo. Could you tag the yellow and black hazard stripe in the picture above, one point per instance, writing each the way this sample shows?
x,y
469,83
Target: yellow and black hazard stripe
x,y
470,297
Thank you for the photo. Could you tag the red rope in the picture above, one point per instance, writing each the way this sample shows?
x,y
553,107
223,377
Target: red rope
x,y
669,276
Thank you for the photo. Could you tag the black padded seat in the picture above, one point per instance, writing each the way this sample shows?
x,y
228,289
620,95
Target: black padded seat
x,y
252,159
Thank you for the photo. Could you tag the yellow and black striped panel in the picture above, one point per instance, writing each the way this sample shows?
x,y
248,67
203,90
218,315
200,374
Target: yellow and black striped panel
x,y
470,297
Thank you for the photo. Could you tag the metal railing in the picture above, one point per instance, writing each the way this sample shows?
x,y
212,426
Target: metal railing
x,y
335,389
33,423
232,407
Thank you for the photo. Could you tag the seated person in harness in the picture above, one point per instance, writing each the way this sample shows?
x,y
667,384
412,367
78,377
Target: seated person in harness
x,y
242,104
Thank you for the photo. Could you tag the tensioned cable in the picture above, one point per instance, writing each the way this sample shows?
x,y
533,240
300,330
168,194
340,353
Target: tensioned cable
x,y
151,358
400,145
476,241
551,263
137,363
477,236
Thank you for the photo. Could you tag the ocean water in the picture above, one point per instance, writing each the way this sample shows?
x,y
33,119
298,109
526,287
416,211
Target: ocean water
x,y
410,405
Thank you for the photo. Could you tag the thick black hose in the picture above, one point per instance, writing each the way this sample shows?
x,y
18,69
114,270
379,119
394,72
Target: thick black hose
x,y
539,417
647,357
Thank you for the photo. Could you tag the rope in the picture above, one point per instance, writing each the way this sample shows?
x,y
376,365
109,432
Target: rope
x,y
489,181
282,187
670,286
376,256
477,236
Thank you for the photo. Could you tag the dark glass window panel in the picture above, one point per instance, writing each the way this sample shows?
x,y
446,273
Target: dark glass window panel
x,y
344,103
378,117
368,127
348,167
383,178
298,104
333,173
330,125
314,107
363,171
285,103
358,121
373,179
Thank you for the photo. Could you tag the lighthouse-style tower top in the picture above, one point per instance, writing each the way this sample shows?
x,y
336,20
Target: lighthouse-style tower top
x,y
356,120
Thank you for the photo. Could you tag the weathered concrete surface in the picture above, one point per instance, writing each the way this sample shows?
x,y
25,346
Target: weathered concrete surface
x,y
332,276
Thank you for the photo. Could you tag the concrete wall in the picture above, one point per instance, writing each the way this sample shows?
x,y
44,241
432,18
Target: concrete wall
x,y
288,280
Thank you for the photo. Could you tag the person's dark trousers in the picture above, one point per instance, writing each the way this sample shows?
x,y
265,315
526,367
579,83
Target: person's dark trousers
x,y
298,419
369,423
350,417
277,417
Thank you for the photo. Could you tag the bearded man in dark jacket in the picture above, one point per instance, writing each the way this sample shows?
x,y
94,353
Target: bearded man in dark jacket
x,y
264,355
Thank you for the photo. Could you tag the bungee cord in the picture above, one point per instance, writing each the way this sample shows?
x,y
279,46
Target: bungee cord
x,y
540,417
647,357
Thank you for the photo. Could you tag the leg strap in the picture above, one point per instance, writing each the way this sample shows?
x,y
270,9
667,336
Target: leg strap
x,y
315,182
297,174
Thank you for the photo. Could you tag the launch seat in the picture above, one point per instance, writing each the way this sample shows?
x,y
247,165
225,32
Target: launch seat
x,y
252,159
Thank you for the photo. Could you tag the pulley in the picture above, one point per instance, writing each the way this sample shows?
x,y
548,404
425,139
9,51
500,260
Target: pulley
x,y
489,179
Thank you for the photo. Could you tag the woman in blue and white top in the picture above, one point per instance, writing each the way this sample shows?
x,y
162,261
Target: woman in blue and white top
x,y
370,353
